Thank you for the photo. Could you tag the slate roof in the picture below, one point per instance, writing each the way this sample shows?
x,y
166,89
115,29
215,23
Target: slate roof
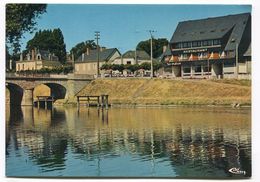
x,y
248,51
212,28
139,55
104,55
51,63
166,53
45,55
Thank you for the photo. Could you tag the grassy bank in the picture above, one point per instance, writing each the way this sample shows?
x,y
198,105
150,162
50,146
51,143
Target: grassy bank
x,y
171,92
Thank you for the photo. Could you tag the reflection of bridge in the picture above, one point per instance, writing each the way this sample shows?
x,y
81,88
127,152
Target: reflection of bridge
x,y
61,86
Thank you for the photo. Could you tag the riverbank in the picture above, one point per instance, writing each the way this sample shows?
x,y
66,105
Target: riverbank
x,y
143,92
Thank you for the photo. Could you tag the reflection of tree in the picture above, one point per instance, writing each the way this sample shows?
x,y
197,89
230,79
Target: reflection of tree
x,y
53,154
192,151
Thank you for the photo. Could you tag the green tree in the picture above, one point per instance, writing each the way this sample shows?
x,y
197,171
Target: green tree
x,y
145,66
21,18
51,40
106,66
157,46
157,65
81,47
132,67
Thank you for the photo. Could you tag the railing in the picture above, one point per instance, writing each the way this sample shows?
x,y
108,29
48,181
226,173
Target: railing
x,y
48,75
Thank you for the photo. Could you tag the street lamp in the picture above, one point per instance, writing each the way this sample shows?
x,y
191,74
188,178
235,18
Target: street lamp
x,y
151,31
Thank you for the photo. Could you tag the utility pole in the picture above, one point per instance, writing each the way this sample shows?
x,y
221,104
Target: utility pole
x,y
97,34
237,66
151,31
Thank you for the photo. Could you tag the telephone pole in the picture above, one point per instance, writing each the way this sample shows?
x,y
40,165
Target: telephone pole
x,y
97,35
151,31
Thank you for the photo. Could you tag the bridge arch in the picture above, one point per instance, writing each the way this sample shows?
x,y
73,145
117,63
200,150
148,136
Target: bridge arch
x,y
57,90
16,93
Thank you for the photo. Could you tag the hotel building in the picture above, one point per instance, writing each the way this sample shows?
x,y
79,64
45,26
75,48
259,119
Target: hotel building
x,y
218,47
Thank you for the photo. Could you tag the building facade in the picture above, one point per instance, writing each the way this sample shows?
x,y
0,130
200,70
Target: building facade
x,y
87,62
133,57
36,60
212,48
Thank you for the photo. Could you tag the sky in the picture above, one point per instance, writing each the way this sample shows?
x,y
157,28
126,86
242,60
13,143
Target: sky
x,y
123,26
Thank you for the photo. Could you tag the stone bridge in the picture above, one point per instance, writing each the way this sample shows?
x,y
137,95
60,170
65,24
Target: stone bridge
x,y
61,86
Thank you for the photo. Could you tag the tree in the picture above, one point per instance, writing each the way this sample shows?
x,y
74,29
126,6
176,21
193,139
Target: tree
x,y
145,66
21,18
157,46
51,40
81,47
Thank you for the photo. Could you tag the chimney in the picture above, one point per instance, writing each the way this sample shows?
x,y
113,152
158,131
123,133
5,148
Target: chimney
x,y
164,48
11,64
72,57
87,51
21,57
102,49
82,57
32,54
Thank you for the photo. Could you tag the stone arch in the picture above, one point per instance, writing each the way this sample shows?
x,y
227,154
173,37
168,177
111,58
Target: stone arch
x,y
16,93
58,91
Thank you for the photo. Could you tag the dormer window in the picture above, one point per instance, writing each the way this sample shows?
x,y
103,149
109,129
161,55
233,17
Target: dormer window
x,y
38,57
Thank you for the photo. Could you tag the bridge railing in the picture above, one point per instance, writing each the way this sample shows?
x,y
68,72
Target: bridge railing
x,y
48,75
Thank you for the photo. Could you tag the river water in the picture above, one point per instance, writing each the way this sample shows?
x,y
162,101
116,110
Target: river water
x,y
181,142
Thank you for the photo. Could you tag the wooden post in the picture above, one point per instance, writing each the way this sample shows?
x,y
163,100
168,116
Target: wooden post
x,y
52,101
77,101
98,102
88,101
102,101
106,101
45,103
38,103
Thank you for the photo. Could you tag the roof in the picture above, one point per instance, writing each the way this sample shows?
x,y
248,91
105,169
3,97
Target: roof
x,y
51,63
248,51
166,53
140,54
45,55
104,55
212,28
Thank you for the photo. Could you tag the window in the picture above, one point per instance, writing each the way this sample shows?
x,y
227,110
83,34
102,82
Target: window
x,y
209,42
186,69
128,62
194,44
178,46
197,69
189,44
205,43
205,69
185,44
216,42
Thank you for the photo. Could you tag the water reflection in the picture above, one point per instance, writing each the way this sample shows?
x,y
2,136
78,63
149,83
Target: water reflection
x,y
176,142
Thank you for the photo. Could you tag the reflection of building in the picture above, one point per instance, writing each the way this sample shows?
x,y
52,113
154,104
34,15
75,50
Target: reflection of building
x,y
87,62
210,47
36,60
194,148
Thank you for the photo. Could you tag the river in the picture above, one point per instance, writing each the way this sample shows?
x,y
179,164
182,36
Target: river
x,y
178,142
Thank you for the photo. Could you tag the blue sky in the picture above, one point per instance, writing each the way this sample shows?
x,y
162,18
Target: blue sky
x,y
123,26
